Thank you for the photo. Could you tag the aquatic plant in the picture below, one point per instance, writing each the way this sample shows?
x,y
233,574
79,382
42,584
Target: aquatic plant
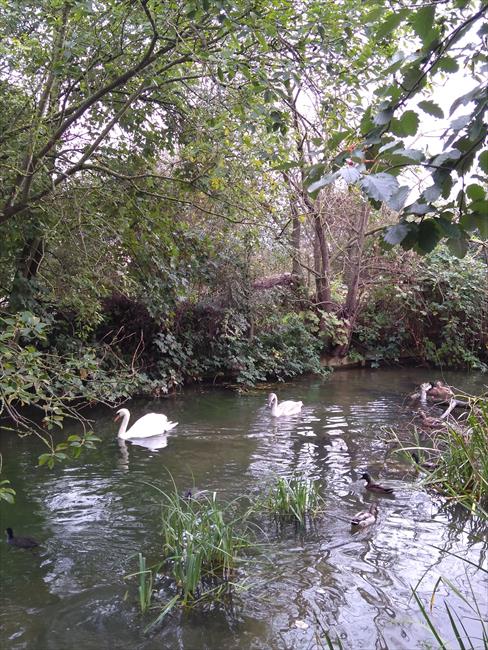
x,y
461,468
201,550
145,584
294,498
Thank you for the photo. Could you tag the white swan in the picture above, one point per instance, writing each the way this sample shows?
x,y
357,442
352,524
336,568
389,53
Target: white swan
x,y
284,408
152,424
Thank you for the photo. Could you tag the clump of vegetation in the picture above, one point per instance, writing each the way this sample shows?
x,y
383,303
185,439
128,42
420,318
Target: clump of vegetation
x,y
202,547
462,472
295,499
437,311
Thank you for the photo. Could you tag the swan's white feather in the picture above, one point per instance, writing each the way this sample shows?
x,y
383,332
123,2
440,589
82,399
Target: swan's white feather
x,y
152,424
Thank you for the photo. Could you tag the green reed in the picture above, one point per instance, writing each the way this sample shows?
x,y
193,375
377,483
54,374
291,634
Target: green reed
x,y
202,547
294,498
461,471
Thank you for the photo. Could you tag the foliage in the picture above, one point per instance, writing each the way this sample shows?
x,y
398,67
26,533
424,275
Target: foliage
x,y
202,546
6,492
437,313
462,466
294,498
448,37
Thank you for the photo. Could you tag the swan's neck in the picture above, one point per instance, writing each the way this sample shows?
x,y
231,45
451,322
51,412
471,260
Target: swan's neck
x,y
123,426
423,395
274,406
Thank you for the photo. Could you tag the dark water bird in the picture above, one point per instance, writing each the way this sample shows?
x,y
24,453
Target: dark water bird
x,y
20,542
365,517
429,466
375,487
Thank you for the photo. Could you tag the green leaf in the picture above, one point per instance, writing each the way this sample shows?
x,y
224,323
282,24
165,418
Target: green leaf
x,y
350,174
481,221
325,180
447,64
428,235
423,22
44,458
379,186
391,23
383,117
458,247
431,108
483,161
396,234
432,193
407,124
475,192
398,198
449,229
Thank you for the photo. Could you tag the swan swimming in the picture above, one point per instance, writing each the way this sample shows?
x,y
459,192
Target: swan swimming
x,y
152,424
284,408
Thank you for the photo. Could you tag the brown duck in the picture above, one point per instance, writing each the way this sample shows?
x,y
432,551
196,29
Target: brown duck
x,y
440,391
365,517
375,487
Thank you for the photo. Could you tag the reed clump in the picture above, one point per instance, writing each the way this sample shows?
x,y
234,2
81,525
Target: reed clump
x,y
461,468
294,498
202,546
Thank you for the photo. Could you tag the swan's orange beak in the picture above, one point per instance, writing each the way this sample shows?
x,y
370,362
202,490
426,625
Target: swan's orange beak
x,y
117,417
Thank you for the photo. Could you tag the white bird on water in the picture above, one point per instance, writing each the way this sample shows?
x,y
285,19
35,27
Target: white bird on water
x,y
283,408
152,424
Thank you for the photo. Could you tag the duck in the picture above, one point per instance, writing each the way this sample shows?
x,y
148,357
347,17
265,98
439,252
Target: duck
x,y
284,408
20,542
430,422
152,424
375,487
427,465
440,392
365,517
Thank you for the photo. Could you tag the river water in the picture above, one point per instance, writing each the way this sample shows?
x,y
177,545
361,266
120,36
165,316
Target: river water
x,y
94,515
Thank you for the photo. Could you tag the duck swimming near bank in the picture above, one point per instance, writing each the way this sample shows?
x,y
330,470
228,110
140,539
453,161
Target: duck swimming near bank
x,y
288,407
152,424
375,487
365,517
20,542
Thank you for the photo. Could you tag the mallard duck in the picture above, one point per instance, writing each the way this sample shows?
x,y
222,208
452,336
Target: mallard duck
x,y
365,517
430,422
375,487
284,408
152,424
428,465
20,542
440,392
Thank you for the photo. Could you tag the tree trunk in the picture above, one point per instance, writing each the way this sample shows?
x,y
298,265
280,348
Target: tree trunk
x,y
350,308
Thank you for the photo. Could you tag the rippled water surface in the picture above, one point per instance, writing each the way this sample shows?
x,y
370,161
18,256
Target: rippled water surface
x,y
94,515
